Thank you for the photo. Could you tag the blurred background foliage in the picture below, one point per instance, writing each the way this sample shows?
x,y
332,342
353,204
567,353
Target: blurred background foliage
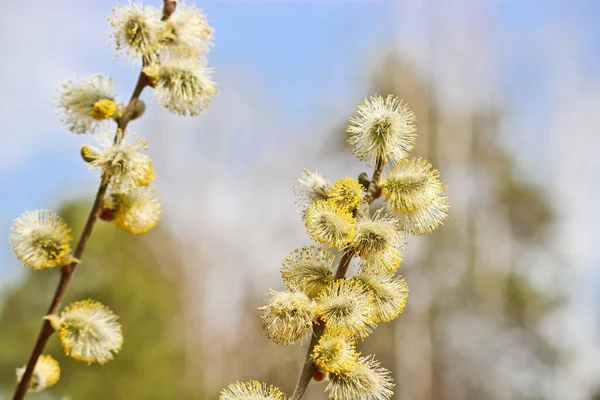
x,y
136,276
467,296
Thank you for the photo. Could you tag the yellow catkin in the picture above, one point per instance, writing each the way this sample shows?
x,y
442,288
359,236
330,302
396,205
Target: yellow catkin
x,y
348,306
45,374
329,224
389,295
50,368
383,128
308,269
412,186
346,193
40,239
251,390
136,212
335,351
147,175
287,317
367,380
89,332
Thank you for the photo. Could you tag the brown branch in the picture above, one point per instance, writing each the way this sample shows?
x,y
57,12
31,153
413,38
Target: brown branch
x,y
142,82
318,329
66,271
309,368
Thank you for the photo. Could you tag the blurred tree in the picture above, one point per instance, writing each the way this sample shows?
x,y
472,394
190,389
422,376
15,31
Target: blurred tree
x,y
473,292
137,277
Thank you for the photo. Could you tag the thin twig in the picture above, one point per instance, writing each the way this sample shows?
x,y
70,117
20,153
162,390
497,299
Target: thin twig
x,y
66,271
318,328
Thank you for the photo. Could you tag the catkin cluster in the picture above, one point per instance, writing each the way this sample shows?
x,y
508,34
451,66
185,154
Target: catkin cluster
x,y
172,48
341,311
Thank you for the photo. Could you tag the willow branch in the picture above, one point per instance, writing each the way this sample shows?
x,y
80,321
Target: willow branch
x,y
66,271
318,328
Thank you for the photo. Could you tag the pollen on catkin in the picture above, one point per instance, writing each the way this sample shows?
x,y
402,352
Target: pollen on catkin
x,y
40,239
45,374
347,305
136,31
85,103
383,128
187,27
137,211
89,332
382,264
366,381
288,316
412,186
308,269
329,224
252,390
335,351
103,109
426,220
183,84
376,235
124,162
389,295
146,176
346,193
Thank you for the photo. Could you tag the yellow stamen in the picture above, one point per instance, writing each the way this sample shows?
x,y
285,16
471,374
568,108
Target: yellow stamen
x,y
88,153
104,108
148,176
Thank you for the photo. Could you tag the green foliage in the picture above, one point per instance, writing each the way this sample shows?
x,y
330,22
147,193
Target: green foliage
x,y
530,213
138,277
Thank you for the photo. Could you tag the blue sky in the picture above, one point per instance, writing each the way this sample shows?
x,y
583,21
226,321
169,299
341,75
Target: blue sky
x,y
300,53
305,56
